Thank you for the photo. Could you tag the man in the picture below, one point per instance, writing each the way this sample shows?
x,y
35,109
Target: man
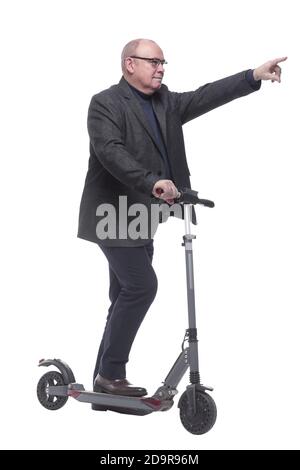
x,y
137,152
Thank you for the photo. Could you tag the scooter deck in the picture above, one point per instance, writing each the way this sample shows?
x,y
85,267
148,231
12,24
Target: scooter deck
x,y
109,402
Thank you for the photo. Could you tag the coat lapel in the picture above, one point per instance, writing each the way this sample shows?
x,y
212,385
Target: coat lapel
x,y
135,106
138,111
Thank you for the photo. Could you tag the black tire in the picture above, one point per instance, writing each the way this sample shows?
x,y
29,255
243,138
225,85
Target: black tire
x,y
204,418
50,402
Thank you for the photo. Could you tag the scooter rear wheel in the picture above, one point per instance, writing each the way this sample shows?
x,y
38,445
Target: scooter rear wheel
x,y
51,402
204,418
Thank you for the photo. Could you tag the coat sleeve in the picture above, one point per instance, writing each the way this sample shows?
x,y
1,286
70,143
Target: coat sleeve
x,y
105,124
192,104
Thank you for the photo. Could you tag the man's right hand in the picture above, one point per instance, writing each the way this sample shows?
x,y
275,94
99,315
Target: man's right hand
x,y
166,190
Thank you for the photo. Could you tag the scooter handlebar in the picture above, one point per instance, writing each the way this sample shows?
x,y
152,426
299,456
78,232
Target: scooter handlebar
x,y
189,196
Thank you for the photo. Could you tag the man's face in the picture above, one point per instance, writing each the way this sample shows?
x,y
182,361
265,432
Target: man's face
x,y
146,75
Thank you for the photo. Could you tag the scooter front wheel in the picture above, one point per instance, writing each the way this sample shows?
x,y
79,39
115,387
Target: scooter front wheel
x,y
205,414
51,402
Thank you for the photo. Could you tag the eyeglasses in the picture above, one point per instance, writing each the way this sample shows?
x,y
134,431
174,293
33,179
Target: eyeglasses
x,y
154,62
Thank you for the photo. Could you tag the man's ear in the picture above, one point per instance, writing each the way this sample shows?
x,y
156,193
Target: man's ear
x,y
129,65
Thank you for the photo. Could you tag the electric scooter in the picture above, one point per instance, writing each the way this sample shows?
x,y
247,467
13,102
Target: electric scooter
x,y
198,410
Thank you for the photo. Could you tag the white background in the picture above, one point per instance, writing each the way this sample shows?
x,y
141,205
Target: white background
x,y
55,55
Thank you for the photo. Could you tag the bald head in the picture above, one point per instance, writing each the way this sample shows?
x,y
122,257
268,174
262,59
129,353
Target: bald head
x,y
137,47
143,65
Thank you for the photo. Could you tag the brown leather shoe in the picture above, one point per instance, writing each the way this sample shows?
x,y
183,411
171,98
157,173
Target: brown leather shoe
x,y
117,387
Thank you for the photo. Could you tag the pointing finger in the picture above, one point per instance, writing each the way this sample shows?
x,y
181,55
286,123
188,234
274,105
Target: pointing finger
x,y
280,59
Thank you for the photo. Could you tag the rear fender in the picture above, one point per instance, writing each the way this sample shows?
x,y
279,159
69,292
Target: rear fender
x,y
62,366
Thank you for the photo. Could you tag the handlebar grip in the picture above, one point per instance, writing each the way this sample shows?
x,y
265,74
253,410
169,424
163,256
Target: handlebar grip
x,y
189,196
206,203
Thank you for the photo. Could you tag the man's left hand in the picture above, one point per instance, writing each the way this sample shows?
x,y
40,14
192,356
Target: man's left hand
x,y
269,71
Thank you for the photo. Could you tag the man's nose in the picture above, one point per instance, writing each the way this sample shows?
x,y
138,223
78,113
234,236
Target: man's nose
x,y
160,68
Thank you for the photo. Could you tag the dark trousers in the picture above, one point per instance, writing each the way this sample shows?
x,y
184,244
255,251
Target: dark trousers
x,y
133,286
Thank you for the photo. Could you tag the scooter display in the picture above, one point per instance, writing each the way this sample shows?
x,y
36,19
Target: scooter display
x,y
197,408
